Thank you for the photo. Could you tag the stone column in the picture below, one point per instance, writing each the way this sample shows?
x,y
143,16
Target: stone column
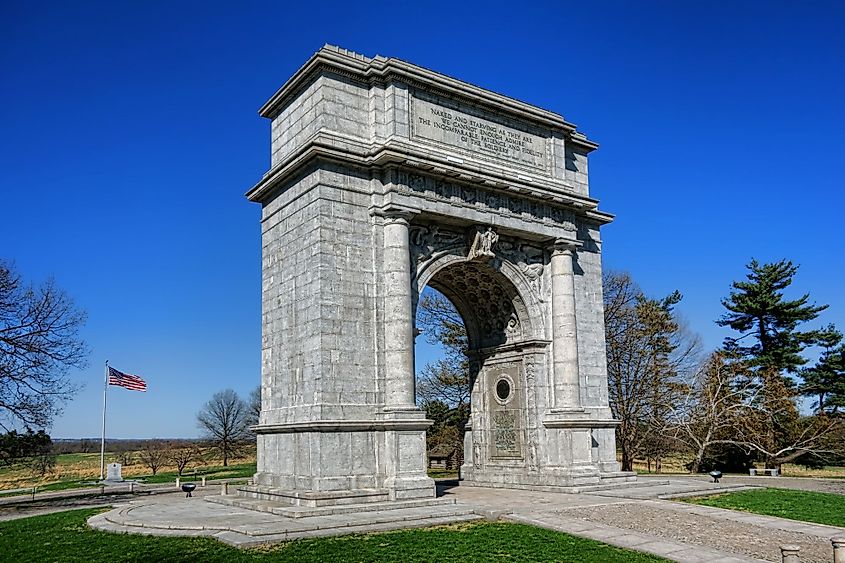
x,y
398,311
566,385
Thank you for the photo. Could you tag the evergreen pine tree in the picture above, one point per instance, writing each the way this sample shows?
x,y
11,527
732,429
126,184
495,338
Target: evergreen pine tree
x,y
825,381
768,322
770,346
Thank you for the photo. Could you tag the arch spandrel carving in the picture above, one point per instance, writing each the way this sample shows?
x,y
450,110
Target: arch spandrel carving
x,y
443,258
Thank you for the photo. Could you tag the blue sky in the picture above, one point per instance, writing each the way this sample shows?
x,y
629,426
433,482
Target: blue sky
x,y
130,133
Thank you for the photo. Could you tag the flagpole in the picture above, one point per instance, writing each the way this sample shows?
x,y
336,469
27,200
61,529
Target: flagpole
x,y
103,437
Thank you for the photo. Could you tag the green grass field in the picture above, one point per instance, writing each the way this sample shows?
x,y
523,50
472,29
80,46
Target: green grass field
x,y
212,472
807,506
64,536
79,470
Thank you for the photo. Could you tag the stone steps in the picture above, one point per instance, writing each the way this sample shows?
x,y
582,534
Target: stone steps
x,y
270,529
314,498
285,509
618,485
702,492
242,540
575,489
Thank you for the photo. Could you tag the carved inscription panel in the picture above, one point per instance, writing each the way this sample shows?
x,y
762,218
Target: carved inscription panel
x,y
507,413
455,128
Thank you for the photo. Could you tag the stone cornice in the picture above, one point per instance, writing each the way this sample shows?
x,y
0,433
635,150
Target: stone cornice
x,y
533,344
396,153
562,245
580,423
380,70
342,426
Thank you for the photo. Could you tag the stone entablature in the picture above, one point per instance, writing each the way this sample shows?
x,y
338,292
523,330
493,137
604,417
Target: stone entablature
x,y
344,105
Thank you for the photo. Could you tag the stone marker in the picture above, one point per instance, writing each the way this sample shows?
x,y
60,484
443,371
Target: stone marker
x,y
790,553
113,472
838,549
386,178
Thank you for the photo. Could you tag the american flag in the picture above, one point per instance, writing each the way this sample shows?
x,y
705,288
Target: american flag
x,y
121,379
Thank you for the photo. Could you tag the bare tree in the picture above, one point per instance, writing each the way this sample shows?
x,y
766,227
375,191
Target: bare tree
x,y
225,422
711,408
43,462
153,454
447,381
772,427
728,404
181,453
39,343
254,404
123,453
649,352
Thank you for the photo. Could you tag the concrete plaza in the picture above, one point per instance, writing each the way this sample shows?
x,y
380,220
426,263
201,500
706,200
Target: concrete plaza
x,y
641,517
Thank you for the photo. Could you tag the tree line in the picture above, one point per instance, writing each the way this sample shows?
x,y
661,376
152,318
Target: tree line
x,y
741,403
225,422
40,343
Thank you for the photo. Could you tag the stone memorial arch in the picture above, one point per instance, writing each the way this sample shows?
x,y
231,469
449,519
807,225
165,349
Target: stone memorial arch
x,y
386,178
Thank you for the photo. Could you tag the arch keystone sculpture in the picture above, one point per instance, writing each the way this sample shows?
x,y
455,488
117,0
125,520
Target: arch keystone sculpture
x,y
386,178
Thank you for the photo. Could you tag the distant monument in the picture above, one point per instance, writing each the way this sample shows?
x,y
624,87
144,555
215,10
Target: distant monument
x,y
386,178
113,472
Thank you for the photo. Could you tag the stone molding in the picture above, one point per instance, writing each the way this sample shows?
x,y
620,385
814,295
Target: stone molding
x,y
392,213
565,246
342,426
341,148
487,200
579,423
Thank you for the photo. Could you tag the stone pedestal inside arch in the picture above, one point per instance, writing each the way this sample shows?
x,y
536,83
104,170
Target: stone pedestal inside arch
x,y
385,178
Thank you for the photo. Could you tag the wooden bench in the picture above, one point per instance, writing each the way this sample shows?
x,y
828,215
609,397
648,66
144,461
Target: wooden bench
x,y
753,472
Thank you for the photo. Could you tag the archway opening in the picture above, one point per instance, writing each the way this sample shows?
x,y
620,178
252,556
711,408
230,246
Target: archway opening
x,y
467,312
443,387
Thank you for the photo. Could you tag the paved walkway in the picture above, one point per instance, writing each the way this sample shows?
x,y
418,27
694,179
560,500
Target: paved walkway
x,y
799,483
634,517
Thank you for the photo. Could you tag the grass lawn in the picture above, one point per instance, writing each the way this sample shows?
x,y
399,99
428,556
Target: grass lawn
x,y
215,472
808,506
74,470
443,473
64,536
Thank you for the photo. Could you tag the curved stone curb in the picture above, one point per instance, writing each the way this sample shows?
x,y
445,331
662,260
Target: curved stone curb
x,y
257,528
